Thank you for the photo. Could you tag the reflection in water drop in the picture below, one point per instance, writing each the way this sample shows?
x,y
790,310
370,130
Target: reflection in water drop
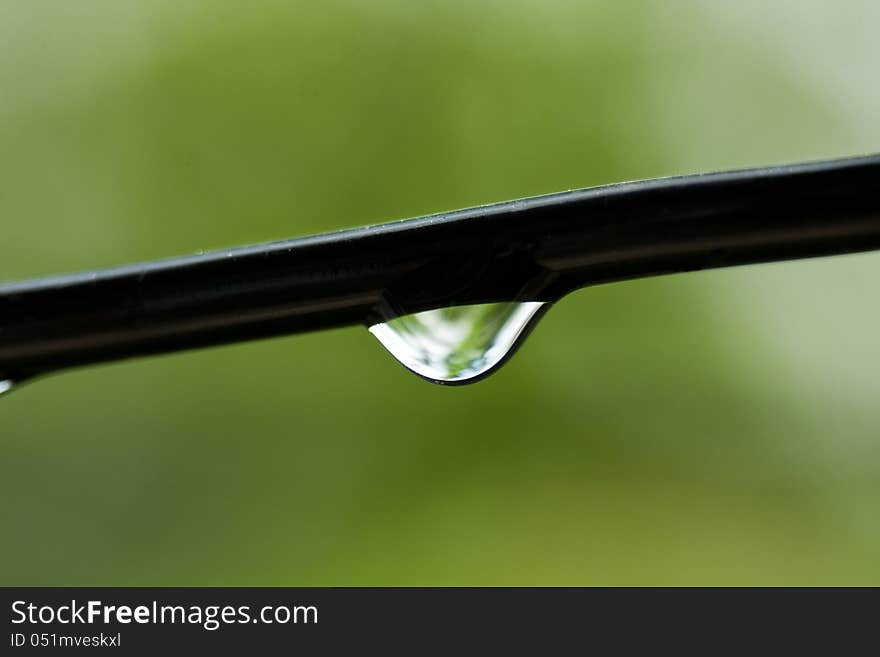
x,y
458,344
6,386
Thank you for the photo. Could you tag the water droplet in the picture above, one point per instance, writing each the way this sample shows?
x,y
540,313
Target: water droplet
x,y
459,344
6,385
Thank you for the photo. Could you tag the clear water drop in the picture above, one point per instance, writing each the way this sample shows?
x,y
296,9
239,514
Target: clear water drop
x,y
459,344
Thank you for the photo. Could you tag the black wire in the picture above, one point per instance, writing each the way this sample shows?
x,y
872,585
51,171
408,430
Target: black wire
x,y
533,249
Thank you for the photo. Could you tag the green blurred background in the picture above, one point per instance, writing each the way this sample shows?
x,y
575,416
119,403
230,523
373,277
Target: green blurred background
x,y
713,428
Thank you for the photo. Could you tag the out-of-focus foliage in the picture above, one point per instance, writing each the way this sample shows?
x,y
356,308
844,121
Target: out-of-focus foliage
x,y
718,427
